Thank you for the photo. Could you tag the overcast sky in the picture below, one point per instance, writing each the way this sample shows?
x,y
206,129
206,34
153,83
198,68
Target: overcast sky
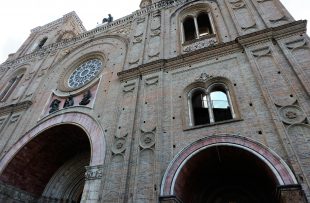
x,y
18,17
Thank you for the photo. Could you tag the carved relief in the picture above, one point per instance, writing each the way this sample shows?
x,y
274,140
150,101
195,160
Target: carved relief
x,y
119,146
147,139
137,45
243,16
292,114
300,43
269,68
200,44
204,77
93,172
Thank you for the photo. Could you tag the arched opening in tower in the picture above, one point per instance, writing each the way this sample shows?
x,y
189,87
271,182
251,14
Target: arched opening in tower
x,y
225,174
50,167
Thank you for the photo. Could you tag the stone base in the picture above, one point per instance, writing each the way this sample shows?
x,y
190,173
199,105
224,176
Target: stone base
x,y
169,199
290,194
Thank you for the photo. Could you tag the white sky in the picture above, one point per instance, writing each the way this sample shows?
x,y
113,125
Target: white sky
x,y
18,17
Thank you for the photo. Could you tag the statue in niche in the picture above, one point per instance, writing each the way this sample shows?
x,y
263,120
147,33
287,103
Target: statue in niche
x,y
69,102
86,98
54,106
108,19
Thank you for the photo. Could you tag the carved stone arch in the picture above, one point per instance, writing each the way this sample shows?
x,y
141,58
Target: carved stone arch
x,y
88,124
275,165
83,124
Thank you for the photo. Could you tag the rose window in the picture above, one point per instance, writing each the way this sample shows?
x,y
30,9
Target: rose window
x,y
85,73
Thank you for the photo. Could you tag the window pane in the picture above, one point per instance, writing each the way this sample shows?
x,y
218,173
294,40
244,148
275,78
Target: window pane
x,y
189,29
220,106
200,108
204,25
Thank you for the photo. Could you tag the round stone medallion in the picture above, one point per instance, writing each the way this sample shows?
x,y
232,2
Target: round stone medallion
x,y
84,73
147,140
292,114
119,146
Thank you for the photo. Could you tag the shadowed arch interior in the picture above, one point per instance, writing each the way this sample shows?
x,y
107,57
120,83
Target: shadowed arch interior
x,y
224,174
33,166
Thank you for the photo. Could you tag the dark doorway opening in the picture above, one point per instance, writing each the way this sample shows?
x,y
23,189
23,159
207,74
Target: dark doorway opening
x,y
225,174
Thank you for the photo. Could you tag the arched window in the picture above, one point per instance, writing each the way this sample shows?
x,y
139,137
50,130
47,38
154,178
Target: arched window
x,y
196,26
10,86
210,105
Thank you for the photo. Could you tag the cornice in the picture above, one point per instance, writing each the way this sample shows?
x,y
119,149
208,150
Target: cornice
x,y
15,107
181,61
273,33
217,50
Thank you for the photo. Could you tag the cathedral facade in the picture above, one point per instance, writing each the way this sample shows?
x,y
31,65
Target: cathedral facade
x,y
182,101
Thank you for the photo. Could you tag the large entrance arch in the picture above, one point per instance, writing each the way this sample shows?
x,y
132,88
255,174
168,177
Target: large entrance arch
x,y
58,160
226,168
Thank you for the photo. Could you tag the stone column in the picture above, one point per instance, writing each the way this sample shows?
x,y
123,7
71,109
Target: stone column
x,y
169,199
92,186
291,193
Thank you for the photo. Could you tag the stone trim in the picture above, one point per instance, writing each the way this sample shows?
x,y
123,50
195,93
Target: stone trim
x,y
169,199
213,51
93,172
15,107
280,169
88,124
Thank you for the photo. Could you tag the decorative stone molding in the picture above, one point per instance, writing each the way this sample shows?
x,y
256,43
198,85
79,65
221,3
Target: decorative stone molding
x,y
200,44
147,139
300,43
119,146
15,107
129,87
152,80
93,172
204,77
292,114
237,4
291,193
283,18
265,51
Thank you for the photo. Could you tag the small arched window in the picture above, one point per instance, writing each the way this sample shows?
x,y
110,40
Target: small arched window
x,y
210,105
197,26
10,86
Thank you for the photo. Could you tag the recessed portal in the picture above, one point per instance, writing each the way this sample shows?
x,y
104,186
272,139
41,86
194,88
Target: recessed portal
x,y
225,174
61,151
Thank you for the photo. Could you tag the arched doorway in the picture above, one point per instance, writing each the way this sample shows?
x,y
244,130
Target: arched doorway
x,y
77,139
226,169
50,167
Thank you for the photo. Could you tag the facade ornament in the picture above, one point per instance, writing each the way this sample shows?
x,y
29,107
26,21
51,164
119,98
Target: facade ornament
x,y
69,102
204,77
54,106
292,114
93,172
86,98
119,146
200,44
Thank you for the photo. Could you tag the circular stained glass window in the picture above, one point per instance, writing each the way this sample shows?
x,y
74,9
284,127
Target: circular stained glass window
x,y
84,73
